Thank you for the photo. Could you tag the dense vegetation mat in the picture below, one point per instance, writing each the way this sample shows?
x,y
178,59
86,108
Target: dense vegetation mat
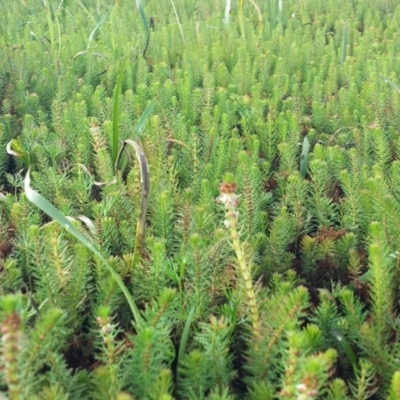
x,y
200,199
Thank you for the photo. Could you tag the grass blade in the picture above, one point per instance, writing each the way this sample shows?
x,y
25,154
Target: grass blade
x,y
258,13
58,31
48,9
117,92
177,19
97,27
145,25
273,15
344,344
99,55
14,148
39,201
184,340
304,156
389,82
143,16
143,119
145,181
241,19
97,22
344,44
227,12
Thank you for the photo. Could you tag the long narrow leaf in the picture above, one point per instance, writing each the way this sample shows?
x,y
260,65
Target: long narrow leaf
x,y
255,5
52,211
344,344
15,149
389,82
177,20
145,181
58,31
304,157
227,12
48,9
344,44
143,16
280,11
117,92
143,119
241,19
184,339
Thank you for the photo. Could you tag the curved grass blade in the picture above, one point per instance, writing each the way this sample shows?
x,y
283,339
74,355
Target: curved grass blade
x,y
117,92
227,12
89,224
48,9
259,14
58,31
99,55
96,183
14,148
344,44
184,340
139,5
145,181
177,19
172,140
344,344
97,22
97,27
280,13
241,19
55,214
273,15
146,26
389,82
304,156
143,119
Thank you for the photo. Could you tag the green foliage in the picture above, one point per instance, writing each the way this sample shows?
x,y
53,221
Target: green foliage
x,y
296,102
209,365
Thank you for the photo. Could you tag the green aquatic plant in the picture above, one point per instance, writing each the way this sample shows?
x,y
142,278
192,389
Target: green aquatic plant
x,y
123,275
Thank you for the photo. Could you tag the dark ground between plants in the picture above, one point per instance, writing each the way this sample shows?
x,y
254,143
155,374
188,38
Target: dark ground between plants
x,y
228,177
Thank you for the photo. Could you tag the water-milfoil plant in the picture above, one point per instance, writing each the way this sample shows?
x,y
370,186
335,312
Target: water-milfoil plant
x,y
103,101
